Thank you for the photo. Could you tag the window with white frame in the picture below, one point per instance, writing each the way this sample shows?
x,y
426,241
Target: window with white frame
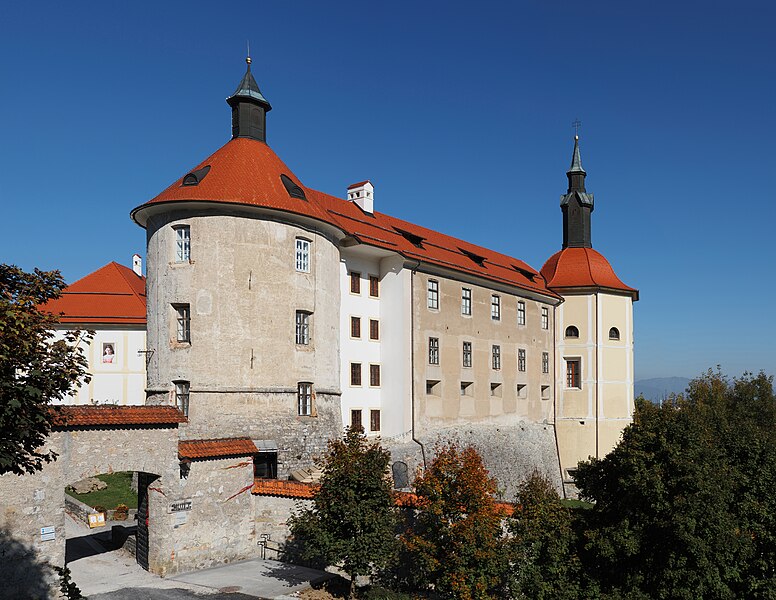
x,y
182,243
495,307
466,301
545,362
520,312
433,294
545,318
433,351
496,355
521,359
302,255
302,327
183,322
305,397
467,354
182,396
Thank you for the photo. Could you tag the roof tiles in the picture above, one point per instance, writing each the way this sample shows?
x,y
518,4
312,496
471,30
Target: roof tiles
x,y
583,268
215,448
84,416
284,489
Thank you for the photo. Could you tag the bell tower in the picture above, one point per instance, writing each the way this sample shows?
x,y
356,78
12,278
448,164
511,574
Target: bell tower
x,y
577,205
249,108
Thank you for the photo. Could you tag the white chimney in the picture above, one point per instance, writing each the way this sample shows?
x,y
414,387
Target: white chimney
x,y
363,194
137,265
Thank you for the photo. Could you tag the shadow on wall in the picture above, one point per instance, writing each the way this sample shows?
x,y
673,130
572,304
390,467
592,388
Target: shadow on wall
x,y
22,574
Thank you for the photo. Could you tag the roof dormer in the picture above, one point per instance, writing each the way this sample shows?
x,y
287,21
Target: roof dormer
x,y
362,194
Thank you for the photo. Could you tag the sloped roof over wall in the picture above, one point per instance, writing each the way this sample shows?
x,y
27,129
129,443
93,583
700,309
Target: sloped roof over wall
x,y
86,416
216,448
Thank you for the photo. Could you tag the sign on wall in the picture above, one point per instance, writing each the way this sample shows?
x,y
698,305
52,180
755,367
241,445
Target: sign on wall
x,y
179,505
47,534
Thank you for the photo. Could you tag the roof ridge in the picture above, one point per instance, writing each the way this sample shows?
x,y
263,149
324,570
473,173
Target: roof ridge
x,y
123,272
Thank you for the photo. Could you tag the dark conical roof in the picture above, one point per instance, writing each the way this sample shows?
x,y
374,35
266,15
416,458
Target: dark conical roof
x,y
248,88
576,159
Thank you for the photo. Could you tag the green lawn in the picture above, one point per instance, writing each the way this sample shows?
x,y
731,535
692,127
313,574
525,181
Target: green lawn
x,y
119,491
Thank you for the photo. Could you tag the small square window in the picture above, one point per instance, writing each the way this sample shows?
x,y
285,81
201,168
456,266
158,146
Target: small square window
x,y
374,286
467,354
545,318
374,329
433,351
433,387
305,399
496,352
355,420
520,312
355,374
522,390
495,307
466,301
374,420
355,327
433,294
355,282
521,360
374,375
495,390
302,255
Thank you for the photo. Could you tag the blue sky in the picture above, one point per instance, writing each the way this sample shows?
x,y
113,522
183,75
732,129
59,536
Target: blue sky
x,y
460,113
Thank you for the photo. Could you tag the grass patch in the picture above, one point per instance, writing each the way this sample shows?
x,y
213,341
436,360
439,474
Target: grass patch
x,y
119,491
572,503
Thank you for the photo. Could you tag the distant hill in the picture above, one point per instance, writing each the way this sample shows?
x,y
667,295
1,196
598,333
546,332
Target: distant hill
x,y
658,388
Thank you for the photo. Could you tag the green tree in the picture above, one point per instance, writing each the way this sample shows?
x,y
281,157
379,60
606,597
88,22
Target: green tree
x,y
352,521
455,542
35,368
684,505
544,545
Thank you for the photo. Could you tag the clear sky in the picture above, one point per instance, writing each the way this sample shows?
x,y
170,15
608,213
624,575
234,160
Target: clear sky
x,y
460,113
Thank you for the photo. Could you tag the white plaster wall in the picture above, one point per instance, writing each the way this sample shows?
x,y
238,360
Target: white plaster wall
x,y
121,381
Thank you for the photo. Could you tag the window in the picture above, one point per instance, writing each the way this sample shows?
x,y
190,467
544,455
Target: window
x,y
466,301
572,332
496,351
265,465
182,396
182,243
545,318
374,420
355,420
545,392
183,318
467,388
355,374
302,327
522,390
614,333
302,255
355,283
433,387
467,354
433,294
545,362
305,397
495,307
374,329
374,375
433,351
355,327
495,390
520,312
374,286
521,359
573,377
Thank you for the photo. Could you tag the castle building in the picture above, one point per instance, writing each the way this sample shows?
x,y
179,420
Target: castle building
x,y
283,314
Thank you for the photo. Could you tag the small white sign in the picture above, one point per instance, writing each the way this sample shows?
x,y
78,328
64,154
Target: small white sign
x,y
96,520
47,534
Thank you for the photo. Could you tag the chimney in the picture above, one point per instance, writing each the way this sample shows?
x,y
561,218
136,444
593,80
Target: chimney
x,y
362,194
137,265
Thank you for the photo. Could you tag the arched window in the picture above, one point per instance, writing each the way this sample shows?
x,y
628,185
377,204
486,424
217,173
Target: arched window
x,y
614,333
572,332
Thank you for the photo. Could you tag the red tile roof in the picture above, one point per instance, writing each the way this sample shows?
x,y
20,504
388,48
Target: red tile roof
x,y
191,449
247,172
112,294
83,416
359,184
284,489
583,268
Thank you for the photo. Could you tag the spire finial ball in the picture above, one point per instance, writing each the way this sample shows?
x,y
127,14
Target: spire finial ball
x,y
248,60
576,137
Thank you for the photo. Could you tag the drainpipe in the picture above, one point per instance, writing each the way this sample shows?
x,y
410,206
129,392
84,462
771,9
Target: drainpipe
x,y
412,361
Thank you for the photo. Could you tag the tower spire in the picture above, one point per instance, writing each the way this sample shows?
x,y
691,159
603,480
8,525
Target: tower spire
x,y
249,107
576,204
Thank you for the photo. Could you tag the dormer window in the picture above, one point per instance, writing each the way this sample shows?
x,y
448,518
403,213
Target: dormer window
x,y
195,177
412,238
572,332
614,333
293,189
476,258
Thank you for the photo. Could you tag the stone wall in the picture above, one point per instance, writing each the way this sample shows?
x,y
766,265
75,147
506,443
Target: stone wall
x,y
271,515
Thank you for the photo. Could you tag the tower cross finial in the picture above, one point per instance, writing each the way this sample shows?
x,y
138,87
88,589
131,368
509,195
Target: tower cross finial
x,y
248,58
576,125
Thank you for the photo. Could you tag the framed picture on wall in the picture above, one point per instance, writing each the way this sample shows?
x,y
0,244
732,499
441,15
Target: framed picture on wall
x,y
109,352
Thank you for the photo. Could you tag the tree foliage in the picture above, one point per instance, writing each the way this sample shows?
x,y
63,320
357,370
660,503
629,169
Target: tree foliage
x,y
351,523
685,504
35,368
455,544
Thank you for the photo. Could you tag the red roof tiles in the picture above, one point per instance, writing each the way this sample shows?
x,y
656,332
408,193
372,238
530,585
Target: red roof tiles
x,y
112,294
191,449
284,489
84,416
247,172
359,184
583,268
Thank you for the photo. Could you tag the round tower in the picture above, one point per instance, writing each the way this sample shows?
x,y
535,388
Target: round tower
x,y
243,296
594,335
